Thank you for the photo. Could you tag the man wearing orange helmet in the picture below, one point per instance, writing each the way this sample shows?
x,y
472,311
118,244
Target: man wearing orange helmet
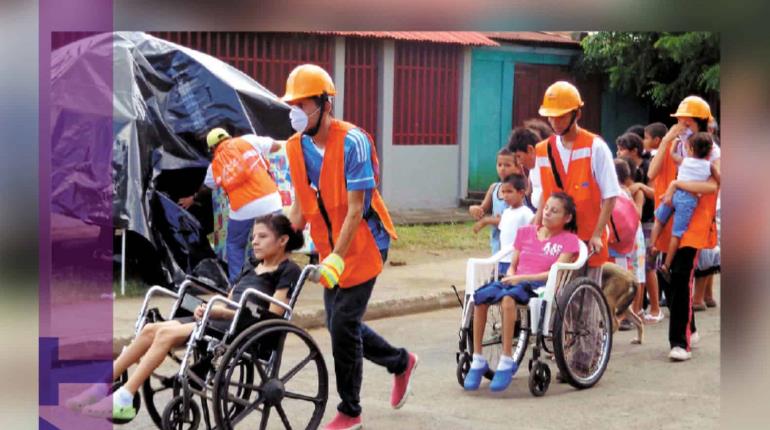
x,y
693,116
334,172
579,163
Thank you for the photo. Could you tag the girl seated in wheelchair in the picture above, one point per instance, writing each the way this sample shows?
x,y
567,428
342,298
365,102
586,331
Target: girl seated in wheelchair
x,y
269,271
535,249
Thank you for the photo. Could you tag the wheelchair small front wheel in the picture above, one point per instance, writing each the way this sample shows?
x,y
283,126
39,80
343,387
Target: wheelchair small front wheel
x,y
463,366
178,417
539,379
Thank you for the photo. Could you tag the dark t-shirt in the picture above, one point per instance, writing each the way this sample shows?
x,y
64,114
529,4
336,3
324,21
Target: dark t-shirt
x,y
648,210
283,277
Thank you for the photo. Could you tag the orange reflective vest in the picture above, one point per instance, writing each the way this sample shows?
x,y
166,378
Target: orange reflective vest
x,y
702,231
363,260
578,182
254,180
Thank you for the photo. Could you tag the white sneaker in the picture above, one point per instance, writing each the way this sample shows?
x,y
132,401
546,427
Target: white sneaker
x,y
679,354
694,339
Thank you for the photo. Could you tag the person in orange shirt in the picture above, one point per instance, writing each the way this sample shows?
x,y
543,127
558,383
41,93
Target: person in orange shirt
x,y
334,172
240,166
579,163
693,115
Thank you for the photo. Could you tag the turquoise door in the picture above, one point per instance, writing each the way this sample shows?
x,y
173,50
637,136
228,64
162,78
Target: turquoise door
x,y
491,97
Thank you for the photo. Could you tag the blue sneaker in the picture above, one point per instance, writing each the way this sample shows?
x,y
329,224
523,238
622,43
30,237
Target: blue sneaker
x,y
473,378
502,378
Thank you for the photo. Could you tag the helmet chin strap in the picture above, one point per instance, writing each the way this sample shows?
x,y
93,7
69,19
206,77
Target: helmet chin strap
x,y
569,126
313,131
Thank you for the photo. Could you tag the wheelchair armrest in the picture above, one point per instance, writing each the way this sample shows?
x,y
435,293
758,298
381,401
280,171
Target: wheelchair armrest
x,y
155,290
499,255
206,284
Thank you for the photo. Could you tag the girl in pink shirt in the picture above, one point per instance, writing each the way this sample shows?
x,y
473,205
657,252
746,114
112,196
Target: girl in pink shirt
x,y
535,249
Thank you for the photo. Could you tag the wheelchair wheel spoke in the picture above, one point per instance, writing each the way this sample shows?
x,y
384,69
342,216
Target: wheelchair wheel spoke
x,y
265,418
283,416
246,386
297,396
290,374
261,370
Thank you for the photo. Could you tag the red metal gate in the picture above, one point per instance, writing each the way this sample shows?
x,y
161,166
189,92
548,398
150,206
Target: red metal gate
x,y
426,94
361,89
266,57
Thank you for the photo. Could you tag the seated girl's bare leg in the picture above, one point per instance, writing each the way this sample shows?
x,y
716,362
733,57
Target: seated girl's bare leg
x,y
138,347
509,322
166,338
479,321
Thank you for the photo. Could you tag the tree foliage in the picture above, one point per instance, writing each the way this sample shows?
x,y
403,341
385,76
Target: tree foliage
x,y
661,67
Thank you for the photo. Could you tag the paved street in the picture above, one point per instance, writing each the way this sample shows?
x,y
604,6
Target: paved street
x,y
640,390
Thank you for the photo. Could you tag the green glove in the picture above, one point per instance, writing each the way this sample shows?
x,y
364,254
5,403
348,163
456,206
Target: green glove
x,y
331,269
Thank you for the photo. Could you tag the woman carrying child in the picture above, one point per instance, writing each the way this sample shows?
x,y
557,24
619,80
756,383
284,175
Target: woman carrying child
x,y
269,271
692,114
535,249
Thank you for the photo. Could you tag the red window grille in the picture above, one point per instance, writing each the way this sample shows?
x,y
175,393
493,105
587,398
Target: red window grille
x,y
266,57
361,89
426,94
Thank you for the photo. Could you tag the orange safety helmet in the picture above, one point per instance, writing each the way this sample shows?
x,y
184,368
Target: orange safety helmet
x,y
560,98
693,107
307,80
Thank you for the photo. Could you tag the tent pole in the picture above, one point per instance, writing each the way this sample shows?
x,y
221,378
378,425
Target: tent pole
x,y
123,263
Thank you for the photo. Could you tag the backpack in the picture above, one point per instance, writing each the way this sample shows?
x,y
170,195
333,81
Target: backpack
x,y
623,224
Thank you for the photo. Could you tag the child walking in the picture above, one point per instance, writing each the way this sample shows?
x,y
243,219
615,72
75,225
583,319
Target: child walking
x,y
515,216
535,249
493,201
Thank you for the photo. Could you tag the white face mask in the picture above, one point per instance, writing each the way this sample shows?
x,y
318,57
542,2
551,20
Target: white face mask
x,y
686,133
299,118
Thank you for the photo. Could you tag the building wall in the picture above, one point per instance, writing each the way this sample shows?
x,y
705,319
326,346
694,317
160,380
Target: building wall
x,y
420,176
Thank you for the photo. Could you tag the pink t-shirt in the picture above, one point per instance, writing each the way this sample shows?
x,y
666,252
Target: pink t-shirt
x,y
537,256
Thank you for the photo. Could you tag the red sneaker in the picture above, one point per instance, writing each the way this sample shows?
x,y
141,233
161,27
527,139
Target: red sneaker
x,y
402,384
344,422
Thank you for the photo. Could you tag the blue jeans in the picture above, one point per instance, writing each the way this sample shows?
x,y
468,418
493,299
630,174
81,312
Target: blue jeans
x,y
684,204
236,243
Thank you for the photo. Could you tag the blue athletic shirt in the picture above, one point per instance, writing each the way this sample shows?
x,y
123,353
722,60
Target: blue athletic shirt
x,y
359,174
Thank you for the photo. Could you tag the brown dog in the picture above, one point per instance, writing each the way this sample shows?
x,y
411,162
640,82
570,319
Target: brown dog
x,y
619,287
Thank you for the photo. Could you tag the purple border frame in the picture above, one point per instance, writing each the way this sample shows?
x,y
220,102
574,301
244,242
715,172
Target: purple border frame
x,y
75,339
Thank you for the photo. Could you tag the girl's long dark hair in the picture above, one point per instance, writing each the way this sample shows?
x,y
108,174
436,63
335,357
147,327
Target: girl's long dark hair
x,y
280,225
569,206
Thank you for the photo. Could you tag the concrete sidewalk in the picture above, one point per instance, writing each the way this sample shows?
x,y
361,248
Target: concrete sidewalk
x,y
400,290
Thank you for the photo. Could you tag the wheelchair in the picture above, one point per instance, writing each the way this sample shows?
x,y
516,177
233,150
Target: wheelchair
x,y
242,375
570,319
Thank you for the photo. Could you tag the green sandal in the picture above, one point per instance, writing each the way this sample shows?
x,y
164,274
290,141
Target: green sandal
x,y
107,409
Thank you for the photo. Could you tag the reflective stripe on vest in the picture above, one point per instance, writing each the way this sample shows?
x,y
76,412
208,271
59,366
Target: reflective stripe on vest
x,y
362,261
258,184
578,182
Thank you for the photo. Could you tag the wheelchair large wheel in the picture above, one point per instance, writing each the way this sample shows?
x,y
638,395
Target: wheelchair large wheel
x,y
582,335
291,387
